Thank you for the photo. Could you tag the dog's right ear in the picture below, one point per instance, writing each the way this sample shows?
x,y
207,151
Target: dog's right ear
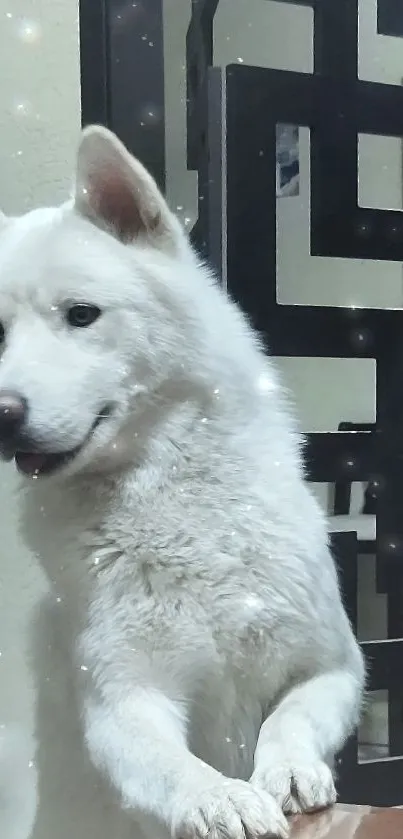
x,y
115,190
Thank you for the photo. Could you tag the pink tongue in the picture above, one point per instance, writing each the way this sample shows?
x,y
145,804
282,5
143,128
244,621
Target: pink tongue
x,y
30,463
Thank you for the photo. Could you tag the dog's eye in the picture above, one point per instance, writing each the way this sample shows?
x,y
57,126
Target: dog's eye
x,y
82,314
2,334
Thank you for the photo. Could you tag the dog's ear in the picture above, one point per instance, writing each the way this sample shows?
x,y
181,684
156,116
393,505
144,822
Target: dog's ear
x,y
114,189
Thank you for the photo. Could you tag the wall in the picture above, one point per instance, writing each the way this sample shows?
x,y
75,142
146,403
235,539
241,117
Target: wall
x,y
47,789
39,122
39,100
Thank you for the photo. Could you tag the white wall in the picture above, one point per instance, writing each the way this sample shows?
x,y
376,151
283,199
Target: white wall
x,y
39,123
52,790
39,100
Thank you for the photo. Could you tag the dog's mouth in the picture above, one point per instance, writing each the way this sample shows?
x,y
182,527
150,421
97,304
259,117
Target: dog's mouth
x,y
35,464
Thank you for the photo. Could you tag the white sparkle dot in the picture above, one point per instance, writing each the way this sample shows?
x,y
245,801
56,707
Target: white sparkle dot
x,y
265,383
239,60
83,667
29,31
216,391
22,108
9,15
204,420
96,560
253,602
228,739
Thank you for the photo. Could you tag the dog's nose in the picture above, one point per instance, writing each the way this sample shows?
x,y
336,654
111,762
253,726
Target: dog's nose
x,y
13,414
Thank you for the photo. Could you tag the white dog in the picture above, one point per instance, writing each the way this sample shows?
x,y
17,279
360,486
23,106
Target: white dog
x,y
216,668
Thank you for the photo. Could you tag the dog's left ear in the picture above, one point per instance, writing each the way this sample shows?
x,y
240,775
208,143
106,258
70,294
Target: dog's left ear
x,y
115,190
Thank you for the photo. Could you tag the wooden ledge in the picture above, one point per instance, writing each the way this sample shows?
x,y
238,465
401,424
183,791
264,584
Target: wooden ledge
x,y
350,822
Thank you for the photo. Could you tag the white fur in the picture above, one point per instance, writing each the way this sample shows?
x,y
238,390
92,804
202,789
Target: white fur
x,y
216,669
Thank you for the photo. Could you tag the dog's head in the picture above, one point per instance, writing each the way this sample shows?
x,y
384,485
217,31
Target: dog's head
x,y
89,326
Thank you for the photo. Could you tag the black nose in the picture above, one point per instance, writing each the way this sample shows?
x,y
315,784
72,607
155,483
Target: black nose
x,y
13,415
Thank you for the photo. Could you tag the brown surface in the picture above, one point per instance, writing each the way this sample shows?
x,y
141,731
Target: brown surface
x,y
347,822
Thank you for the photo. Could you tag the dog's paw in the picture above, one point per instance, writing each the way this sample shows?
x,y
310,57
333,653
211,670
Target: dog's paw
x,y
297,787
231,810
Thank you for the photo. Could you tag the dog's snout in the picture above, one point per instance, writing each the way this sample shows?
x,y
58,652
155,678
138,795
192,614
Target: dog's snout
x,y
13,415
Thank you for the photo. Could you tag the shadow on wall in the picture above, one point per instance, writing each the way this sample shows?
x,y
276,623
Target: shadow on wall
x,y
17,783
73,799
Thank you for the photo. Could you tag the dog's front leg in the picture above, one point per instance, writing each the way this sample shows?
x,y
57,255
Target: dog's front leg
x,y
139,741
298,741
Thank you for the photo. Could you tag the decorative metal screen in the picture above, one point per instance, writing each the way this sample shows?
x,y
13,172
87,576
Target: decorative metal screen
x,y
233,119
337,107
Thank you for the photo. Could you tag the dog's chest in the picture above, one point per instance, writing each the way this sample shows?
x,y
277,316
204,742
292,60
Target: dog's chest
x,y
157,571
208,637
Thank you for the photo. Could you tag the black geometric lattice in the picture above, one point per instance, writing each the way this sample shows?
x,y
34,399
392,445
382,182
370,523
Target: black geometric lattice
x,y
122,75
336,106
390,17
